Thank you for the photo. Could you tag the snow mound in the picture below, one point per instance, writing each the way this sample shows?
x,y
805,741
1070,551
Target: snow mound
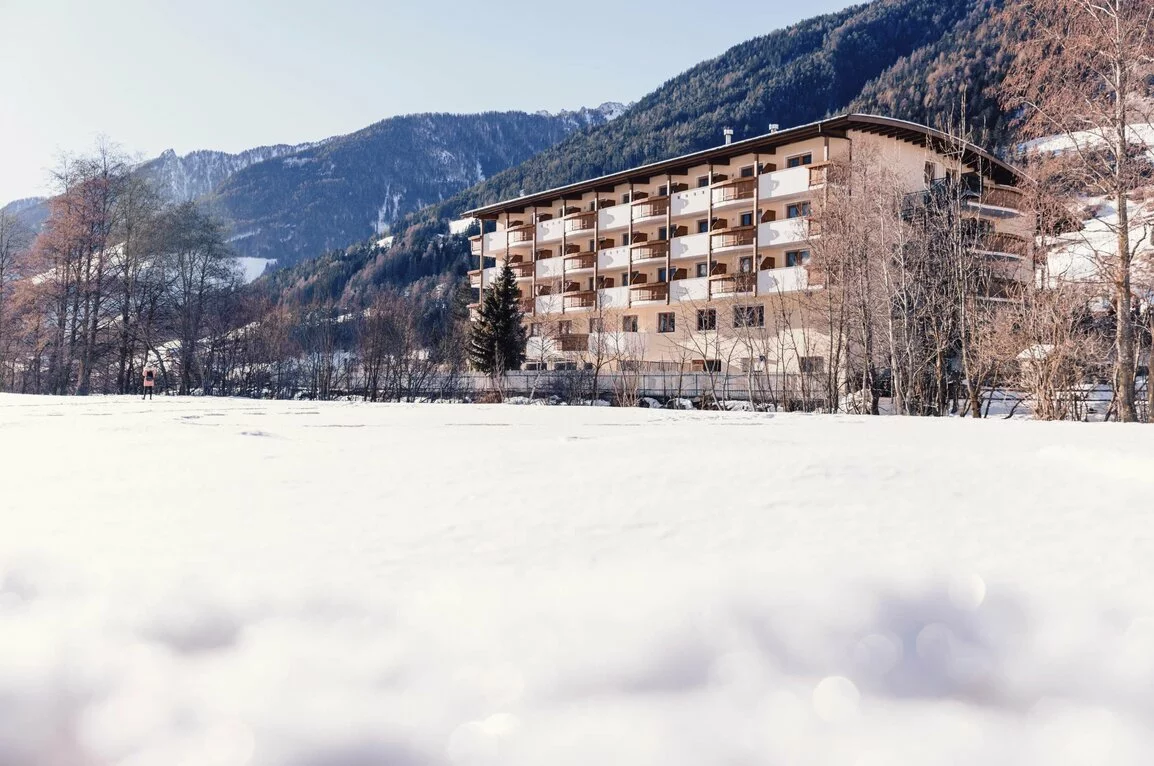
x,y
811,590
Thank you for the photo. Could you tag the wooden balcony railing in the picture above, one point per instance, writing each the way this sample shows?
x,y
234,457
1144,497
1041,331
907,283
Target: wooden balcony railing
x,y
657,291
522,270
580,222
650,208
648,251
733,283
580,261
475,278
1002,197
741,236
475,246
583,300
544,254
1004,243
818,175
573,342
518,236
738,189
570,286
528,305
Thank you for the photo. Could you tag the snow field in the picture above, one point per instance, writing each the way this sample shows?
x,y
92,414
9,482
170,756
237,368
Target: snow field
x,y
192,581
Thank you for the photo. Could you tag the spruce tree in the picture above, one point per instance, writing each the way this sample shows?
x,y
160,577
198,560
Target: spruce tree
x,y
497,340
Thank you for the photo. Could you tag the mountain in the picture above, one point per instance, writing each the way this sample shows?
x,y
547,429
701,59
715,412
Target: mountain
x,y
903,58
183,179
288,202
348,188
32,212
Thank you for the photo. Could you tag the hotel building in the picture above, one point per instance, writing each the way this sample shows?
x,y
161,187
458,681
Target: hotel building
x,y
712,239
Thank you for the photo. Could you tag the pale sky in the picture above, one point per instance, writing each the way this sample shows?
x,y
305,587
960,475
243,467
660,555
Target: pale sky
x,y
212,74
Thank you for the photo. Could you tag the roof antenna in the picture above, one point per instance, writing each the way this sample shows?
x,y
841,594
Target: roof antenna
x,y
728,132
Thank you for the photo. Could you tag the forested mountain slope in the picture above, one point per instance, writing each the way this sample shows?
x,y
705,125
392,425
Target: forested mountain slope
x,y
351,187
903,58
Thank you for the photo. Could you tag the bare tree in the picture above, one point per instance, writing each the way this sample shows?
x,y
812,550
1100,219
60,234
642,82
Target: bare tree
x,y
14,240
1084,73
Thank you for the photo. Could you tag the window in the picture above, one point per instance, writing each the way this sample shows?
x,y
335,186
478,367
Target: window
x,y
798,210
930,173
564,365
811,365
799,160
706,320
702,269
749,316
565,327
592,245
666,322
629,323
662,233
662,190
535,330
625,240
595,325
797,258
747,219
624,199
662,274
745,264
747,172
589,285
703,226
702,182
625,279
531,366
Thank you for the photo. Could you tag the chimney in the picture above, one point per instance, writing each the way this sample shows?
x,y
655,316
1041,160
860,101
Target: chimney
x,y
774,127
728,135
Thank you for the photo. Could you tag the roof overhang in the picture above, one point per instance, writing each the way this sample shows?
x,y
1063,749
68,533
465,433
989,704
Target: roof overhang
x,y
834,127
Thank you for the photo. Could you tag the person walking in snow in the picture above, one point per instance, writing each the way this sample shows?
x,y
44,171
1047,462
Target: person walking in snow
x,y
149,381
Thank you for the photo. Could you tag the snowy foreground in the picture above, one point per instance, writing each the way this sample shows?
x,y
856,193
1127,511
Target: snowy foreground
x,y
217,583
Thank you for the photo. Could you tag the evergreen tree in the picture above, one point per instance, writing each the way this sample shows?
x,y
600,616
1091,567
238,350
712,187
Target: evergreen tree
x,y
497,339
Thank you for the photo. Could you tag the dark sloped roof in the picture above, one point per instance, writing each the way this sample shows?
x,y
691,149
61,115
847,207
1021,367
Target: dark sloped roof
x,y
837,127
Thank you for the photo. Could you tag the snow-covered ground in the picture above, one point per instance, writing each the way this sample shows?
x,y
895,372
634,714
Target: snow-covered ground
x,y
215,583
251,268
1085,255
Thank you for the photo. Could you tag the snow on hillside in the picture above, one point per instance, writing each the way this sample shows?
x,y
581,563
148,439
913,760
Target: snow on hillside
x,y
252,268
1141,134
227,582
1085,255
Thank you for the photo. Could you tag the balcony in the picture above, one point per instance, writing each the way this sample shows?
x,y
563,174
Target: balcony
x,y
580,261
657,291
650,251
734,191
584,299
1003,197
522,270
740,236
818,175
527,305
1003,246
733,284
580,221
475,278
520,236
650,208
475,245
571,342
